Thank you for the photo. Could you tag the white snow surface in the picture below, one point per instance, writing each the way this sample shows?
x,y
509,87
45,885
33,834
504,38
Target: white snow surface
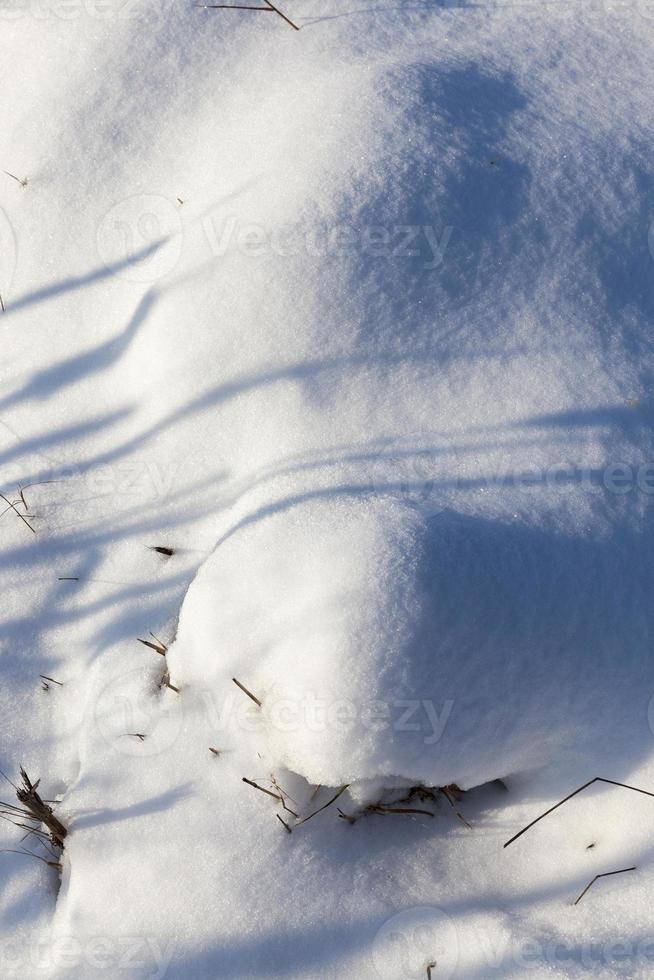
x,y
357,320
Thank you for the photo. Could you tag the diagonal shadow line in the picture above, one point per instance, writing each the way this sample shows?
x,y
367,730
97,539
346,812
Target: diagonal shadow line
x,y
78,282
45,383
156,804
47,440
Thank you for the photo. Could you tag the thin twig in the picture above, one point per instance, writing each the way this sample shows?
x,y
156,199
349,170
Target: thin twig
x,y
597,779
271,8
157,647
379,808
17,512
283,16
283,795
606,874
22,182
51,864
446,793
249,693
38,809
283,822
324,807
268,792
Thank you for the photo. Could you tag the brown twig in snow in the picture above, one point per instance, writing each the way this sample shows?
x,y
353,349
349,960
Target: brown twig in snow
x,y
380,808
33,807
51,864
46,678
249,693
283,794
283,822
271,8
158,646
268,792
445,790
597,779
607,874
22,181
324,807
12,506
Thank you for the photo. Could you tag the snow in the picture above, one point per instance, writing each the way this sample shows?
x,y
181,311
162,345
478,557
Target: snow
x,y
357,321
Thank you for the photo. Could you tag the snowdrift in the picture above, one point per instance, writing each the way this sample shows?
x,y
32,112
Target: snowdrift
x,y
357,321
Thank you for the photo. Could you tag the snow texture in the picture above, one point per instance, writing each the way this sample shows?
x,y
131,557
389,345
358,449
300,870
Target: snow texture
x,y
357,321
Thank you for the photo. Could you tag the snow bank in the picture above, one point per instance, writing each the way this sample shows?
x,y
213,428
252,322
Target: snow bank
x,y
388,645
357,321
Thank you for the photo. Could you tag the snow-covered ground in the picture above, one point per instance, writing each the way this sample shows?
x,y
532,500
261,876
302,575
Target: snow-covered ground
x,y
356,320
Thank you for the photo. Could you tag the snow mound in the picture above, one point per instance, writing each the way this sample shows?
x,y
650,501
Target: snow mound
x,y
386,643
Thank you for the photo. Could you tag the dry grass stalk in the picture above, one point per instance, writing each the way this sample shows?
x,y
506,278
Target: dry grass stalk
x,y
23,181
54,863
33,808
284,824
157,646
270,8
597,779
380,808
11,505
249,693
324,806
607,874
